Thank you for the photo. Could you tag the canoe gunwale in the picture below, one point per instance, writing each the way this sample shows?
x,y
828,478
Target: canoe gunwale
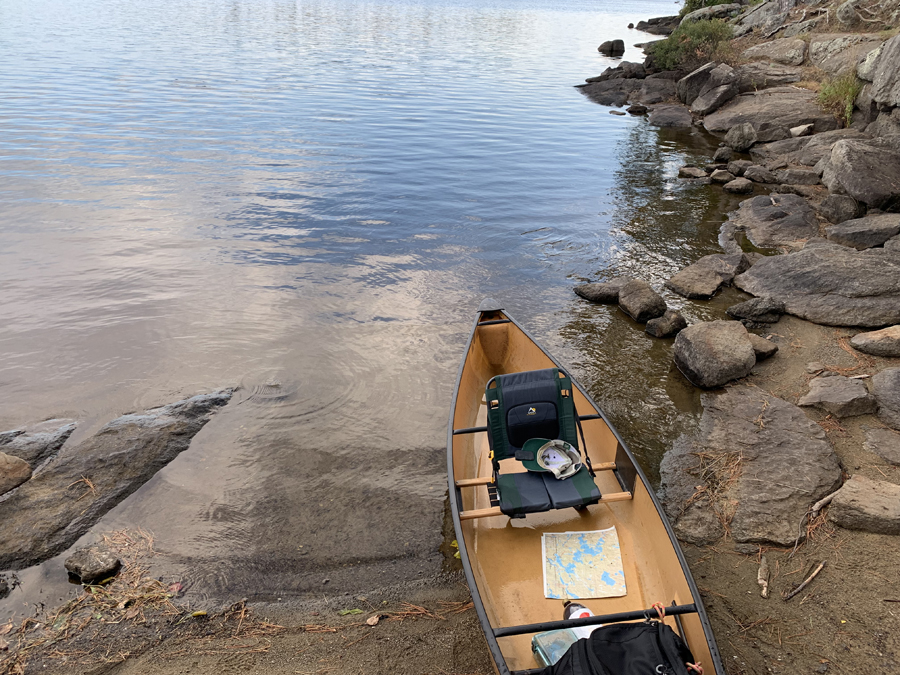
x,y
455,498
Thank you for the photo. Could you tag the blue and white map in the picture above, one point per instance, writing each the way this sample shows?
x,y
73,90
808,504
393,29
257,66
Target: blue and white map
x,y
582,565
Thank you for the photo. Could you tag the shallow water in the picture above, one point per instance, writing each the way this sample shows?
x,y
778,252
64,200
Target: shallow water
x,y
308,200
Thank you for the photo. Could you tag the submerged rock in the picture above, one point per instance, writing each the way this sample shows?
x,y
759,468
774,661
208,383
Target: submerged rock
x,y
868,505
93,563
669,324
840,396
712,353
604,291
47,514
757,461
831,284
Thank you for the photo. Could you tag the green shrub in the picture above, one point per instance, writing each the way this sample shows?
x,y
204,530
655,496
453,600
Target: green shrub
x,y
692,44
693,5
837,95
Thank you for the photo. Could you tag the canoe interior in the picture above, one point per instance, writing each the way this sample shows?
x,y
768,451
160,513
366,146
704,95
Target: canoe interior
x,y
505,554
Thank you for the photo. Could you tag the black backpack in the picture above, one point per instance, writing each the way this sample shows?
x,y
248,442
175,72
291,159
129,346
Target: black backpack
x,y
647,648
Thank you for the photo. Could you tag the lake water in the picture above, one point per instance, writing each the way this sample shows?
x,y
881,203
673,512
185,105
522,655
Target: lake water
x,y
308,200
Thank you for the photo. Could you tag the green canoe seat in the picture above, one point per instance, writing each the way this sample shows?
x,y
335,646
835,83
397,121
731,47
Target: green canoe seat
x,y
536,404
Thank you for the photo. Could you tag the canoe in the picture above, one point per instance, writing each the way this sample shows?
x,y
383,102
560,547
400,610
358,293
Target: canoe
x,y
502,556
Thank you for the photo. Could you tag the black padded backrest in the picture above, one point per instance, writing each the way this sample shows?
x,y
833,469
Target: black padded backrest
x,y
531,404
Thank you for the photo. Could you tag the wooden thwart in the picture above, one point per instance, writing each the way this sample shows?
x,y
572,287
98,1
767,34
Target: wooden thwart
x,y
487,480
495,510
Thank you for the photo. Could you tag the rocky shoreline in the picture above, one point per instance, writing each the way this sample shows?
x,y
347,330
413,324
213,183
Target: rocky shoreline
x,y
818,238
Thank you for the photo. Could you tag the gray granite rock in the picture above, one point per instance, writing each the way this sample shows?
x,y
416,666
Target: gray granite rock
x,y
776,220
738,166
886,124
758,75
13,472
863,233
839,208
721,87
831,284
787,51
639,301
886,388
689,87
885,443
884,342
785,464
38,442
886,74
759,174
712,353
761,347
671,116
93,563
802,130
713,12
660,25
691,172
867,505
705,277
865,69
667,325
867,170
741,137
723,154
721,176
840,396
779,106
758,310
798,177
739,186
838,53
604,291
51,511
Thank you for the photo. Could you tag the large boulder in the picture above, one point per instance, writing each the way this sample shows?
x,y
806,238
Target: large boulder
x,y
602,292
787,51
886,74
840,396
757,461
831,284
758,16
13,472
886,388
838,53
720,88
775,220
865,69
785,107
868,505
37,442
47,514
867,170
639,301
862,233
689,87
714,12
712,353
838,208
764,74
705,277
884,342
670,116
612,48
819,146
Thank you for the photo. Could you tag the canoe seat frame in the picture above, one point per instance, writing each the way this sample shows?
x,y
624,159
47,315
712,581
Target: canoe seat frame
x,y
622,468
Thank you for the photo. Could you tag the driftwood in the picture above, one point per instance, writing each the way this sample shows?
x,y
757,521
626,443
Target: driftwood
x,y
805,583
812,513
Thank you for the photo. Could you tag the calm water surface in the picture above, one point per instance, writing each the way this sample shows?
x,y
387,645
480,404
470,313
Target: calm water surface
x,y
308,200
